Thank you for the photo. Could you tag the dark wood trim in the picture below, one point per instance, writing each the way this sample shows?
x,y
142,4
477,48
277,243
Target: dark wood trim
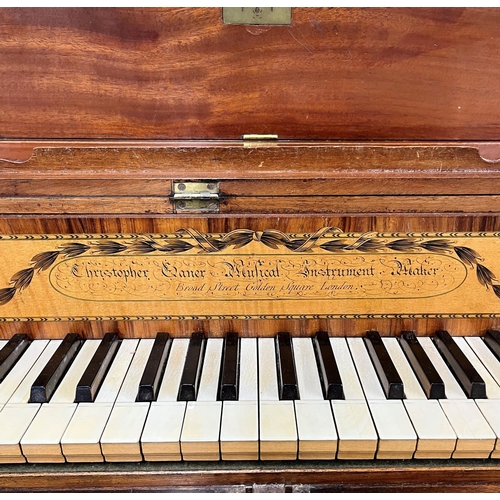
x,y
409,476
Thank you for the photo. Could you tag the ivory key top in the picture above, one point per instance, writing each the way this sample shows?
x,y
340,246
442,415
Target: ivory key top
x,y
239,436
160,439
315,425
201,428
120,441
278,431
357,438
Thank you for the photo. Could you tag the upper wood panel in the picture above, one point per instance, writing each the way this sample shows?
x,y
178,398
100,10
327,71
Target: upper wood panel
x,y
401,74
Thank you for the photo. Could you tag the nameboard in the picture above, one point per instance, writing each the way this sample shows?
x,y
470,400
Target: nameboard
x,y
247,274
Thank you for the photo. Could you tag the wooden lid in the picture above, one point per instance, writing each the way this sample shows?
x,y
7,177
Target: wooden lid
x,y
334,74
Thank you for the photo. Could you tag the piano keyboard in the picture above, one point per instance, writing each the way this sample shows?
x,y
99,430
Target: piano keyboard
x,y
283,398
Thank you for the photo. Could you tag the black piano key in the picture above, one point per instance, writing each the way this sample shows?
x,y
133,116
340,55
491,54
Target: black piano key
x,y
155,367
12,352
51,375
328,369
287,378
386,371
228,390
92,378
429,378
191,374
492,340
467,376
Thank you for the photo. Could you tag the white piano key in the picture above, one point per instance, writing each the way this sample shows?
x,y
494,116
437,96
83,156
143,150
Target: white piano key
x,y
397,438
20,370
248,385
484,353
210,374
130,386
120,441
306,368
200,431
161,437
170,383
492,388
350,381
17,414
451,387
116,374
81,440
201,428
268,377
366,372
476,439
412,388
14,420
316,430
490,409
315,426
357,437
239,437
278,431
436,438
41,444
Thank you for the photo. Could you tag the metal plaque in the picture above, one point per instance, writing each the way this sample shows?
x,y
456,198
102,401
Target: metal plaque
x,y
257,15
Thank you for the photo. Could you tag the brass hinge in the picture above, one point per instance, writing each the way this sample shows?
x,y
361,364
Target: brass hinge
x,y
256,140
196,197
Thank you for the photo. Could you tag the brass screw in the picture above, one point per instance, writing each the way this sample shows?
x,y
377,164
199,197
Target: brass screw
x,y
211,186
181,186
181,204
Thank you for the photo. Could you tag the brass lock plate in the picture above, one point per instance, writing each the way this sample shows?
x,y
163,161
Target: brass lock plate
x,y
257,15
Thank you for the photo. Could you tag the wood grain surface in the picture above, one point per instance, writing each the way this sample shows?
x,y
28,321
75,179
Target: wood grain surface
x,y
180,73
359,476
